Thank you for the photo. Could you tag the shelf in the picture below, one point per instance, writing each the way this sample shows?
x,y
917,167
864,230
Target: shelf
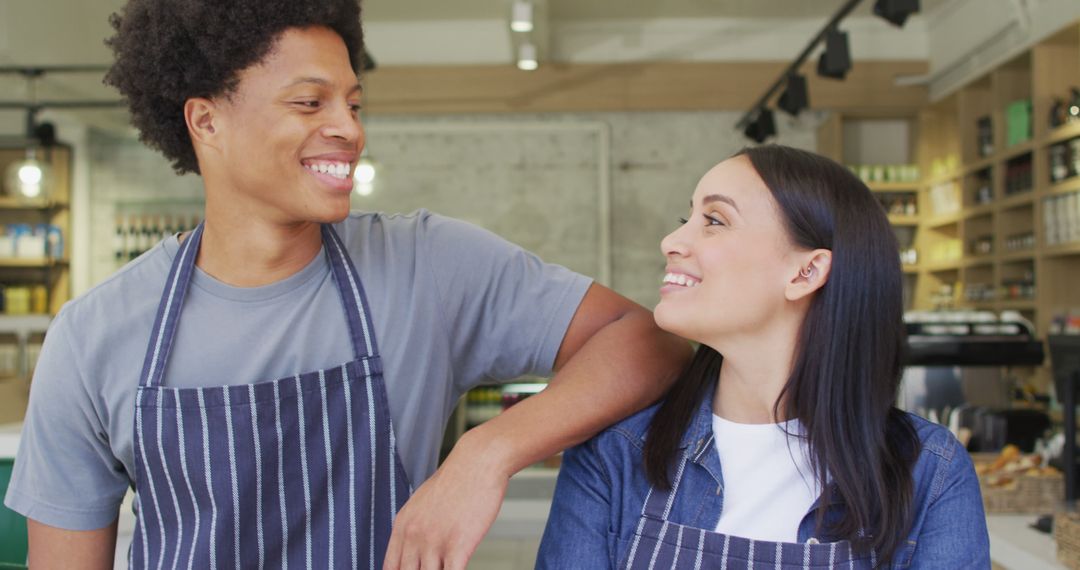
x,y
978,211
983,305
944,220
24,324
902,220
13,203
981,164
942,179
1017,200
31,262
1062,133
1071,184
979,260
1017,304
893,186
1022,255
1061,250
1017,150
910,268
1021,258
942,266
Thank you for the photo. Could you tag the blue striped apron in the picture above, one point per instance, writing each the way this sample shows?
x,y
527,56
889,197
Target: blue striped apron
x,y
300,472
659,543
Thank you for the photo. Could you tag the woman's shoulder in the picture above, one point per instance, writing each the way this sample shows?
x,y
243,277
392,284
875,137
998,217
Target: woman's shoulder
x,y
942,459
935,439
630,431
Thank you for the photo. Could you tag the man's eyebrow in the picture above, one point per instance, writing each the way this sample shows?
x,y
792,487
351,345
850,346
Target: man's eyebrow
x,y
320,82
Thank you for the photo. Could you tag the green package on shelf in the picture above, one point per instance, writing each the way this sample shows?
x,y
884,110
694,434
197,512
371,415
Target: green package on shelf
x,y
1018,122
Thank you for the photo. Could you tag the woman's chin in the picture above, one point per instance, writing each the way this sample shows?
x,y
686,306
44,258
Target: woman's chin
x,y
669,322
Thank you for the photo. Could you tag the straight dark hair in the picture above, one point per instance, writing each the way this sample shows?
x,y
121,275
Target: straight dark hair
x,y
846,371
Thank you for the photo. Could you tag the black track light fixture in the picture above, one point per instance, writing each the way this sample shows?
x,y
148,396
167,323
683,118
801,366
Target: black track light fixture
x,y
835,61
794,98
896,11
762,127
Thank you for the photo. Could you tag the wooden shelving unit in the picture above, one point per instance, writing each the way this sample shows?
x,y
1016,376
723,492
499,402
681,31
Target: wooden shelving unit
x,y
22,334
948,134
1005,261
51,208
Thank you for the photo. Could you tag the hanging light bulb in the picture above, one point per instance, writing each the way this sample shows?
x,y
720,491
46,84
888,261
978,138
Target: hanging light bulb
x,y
365,171
27,177
364,176
521,16
527,57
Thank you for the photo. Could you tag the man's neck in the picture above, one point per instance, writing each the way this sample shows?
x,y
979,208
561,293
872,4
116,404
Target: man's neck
x,y
243,249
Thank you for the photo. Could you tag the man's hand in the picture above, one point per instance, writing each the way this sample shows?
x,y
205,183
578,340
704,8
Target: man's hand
x,y
441,525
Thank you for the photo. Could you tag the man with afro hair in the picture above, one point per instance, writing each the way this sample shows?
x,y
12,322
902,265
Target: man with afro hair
x,y
274,384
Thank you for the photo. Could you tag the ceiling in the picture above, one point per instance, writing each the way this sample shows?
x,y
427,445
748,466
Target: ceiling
x,y
592,10
69,32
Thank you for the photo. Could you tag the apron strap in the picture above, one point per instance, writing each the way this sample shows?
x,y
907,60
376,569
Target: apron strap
x,y
176,287
357,310
658,502
172,299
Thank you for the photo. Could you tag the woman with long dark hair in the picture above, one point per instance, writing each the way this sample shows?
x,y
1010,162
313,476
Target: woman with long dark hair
x,y
780,446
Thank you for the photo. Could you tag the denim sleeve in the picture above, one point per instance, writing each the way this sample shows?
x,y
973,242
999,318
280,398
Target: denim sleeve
x,y
577,533
954,532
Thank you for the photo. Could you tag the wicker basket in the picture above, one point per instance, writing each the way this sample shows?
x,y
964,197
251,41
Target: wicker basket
x,y
1026,494
1067,536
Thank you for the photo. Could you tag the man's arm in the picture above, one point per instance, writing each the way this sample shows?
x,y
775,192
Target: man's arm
x,y
52,547
613,361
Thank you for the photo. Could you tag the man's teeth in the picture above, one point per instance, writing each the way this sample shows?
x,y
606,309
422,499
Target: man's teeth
x,y
680,279
336,169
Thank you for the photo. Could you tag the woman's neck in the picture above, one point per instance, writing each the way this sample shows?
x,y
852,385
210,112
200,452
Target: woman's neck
x,y
244,250
753,375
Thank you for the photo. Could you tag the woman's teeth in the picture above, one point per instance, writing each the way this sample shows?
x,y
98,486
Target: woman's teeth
x,y
335,169
680,279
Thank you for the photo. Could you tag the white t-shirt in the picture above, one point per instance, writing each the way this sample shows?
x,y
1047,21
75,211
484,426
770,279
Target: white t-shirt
x,y
768,484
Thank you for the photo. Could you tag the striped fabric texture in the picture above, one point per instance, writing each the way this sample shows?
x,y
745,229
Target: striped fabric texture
x,y
299,472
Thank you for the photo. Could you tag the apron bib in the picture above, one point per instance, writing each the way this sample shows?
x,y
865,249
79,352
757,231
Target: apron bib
x,y
659,543
300,472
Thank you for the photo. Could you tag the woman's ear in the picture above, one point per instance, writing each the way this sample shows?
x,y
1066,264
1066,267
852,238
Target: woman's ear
x,y
811,275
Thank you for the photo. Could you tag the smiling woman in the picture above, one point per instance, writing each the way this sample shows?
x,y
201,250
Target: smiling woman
x,y
779,446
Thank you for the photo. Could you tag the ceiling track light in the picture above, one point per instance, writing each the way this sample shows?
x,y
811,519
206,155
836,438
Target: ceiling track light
x,y
527,57
521,16
835,61
793,68
761,127
896,11
794,98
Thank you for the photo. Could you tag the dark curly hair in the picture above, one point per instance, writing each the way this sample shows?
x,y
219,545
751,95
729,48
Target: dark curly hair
x,y
168,51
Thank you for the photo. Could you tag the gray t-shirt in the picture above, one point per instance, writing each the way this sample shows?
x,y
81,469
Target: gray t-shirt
x,y
453,306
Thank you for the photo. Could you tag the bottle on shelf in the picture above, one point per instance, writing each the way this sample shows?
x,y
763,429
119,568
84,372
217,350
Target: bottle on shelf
x,y
1059,163
985,128
1072,113
1057,113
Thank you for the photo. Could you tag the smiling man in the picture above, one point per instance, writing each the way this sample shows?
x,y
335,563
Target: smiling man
x,y
274,385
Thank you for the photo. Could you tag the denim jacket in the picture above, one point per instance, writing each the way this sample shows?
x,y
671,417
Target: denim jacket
x,y
602,487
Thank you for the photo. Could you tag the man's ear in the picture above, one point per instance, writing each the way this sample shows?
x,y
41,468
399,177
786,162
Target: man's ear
x,y
811,274
201,116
